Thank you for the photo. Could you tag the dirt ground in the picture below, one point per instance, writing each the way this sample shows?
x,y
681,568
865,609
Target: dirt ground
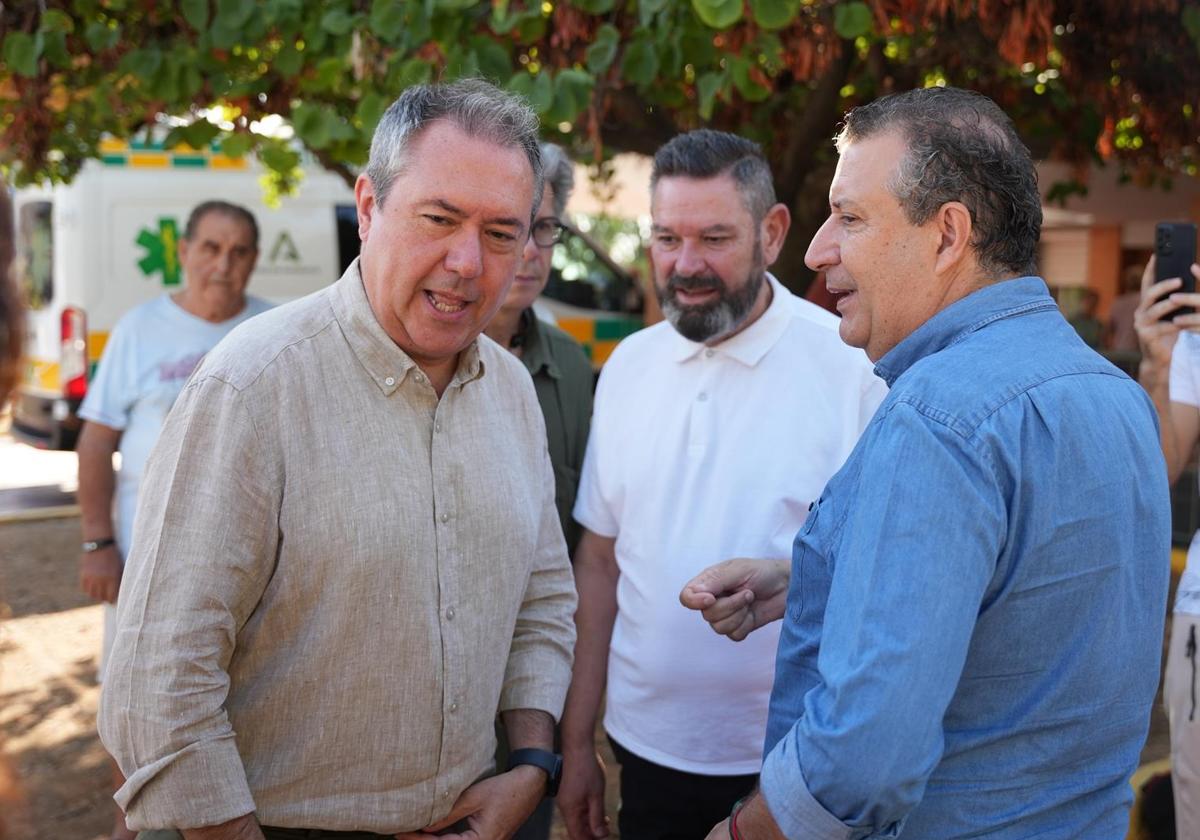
x,y
49,650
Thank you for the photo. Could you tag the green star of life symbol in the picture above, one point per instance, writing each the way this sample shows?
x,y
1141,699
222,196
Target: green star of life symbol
x,y
162,254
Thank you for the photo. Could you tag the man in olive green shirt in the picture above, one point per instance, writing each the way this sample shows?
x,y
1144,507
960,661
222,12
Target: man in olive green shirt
x,y
562,374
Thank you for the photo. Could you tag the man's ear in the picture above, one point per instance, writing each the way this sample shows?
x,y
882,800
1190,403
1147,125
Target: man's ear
x,y
954,228
364,201
774,229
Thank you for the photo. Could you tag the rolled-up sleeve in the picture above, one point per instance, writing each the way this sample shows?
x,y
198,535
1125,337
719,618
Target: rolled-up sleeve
x,y
539,662
203,551
912,561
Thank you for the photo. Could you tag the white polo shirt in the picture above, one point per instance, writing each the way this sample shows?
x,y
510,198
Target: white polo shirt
x,y
697,455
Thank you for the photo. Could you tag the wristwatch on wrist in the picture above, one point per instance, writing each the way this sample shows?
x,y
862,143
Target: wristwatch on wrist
x,y
544,759
95,545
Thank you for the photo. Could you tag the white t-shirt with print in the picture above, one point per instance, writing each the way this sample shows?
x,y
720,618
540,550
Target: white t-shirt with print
x,y
148,357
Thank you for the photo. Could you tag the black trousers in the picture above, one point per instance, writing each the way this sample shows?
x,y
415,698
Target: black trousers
x,y
658,803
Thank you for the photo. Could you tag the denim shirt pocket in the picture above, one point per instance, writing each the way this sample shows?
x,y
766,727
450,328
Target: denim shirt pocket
x,y
812,565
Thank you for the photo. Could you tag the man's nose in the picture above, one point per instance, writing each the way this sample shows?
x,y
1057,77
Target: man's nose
x,y
465,254
823,250
690,262
531,250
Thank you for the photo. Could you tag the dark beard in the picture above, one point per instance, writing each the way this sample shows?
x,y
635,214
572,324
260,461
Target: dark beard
x,y
710,320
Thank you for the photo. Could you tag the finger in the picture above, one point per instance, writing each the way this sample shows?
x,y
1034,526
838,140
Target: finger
x,y
695,598
723,608
1157,312
465,806
1156,290
748,625
1148,275
597,819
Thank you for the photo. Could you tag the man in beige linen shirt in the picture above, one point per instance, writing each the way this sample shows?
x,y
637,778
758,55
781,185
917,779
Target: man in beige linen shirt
x,y
347,556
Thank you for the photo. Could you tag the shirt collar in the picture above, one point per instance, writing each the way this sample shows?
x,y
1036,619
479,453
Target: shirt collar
x,y
379,355
755,341
536,351
993,302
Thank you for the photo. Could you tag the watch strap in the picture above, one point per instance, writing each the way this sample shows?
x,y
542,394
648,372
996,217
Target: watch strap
x,y
89,546
544,759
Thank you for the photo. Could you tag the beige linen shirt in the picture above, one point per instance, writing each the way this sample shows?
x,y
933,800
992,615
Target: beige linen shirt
x,y
336,581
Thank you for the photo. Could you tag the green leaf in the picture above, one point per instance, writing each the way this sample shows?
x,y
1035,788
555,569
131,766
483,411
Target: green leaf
x,y
1191,22
142,63
199,134
454,5
572,93
283,13
414,71
195,12
851,20
369,111
237,145
707,88
387,20
751,90
491,58
275,155
595,7
54,20
224,37
774,14
288,60
719,14
640,64
313,125
600,54
647,9
461,63
233,14
100,37
337,21
541,97
22,51
55,50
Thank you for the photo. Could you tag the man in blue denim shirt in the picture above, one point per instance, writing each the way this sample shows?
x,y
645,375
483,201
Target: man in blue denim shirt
x,y
973,623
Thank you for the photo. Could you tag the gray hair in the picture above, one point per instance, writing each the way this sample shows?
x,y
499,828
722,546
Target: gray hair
x,y
478,108
222,208
705,153
560,176
961,147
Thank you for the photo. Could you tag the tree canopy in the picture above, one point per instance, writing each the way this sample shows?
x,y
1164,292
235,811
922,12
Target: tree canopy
x,y
1110,80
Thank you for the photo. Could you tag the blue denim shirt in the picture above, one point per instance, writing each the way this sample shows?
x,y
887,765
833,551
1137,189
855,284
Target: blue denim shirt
x,y
974,621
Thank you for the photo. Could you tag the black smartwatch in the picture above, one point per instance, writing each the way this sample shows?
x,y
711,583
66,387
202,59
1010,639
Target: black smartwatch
x,y
546,760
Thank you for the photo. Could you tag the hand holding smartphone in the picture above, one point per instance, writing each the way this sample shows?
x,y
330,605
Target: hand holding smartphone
x,y
1174,253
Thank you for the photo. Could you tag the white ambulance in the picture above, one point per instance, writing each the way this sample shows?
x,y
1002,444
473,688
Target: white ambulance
x,y
90,251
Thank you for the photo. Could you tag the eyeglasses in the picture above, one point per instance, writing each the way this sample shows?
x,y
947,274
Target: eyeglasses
x,y
548,232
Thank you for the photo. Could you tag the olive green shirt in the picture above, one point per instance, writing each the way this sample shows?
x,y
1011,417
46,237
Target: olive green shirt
x,y
563,379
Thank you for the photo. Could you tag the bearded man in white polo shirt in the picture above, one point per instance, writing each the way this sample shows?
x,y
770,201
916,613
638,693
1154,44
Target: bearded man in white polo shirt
x,y
712,434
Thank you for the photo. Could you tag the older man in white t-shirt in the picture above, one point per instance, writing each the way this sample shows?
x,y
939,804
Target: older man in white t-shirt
x,y
712,435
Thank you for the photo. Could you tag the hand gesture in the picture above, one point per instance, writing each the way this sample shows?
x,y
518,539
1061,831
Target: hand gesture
x,y
1157,336
494,808
740,595
100,574
581,795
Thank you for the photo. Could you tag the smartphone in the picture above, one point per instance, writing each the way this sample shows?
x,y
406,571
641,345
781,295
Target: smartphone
x,y
1174,253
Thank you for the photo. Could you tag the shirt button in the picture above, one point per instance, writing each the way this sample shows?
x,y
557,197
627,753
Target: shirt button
x,y
445,517
708,354
437,427
421,377
453,708
390,381
450,613
703,396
